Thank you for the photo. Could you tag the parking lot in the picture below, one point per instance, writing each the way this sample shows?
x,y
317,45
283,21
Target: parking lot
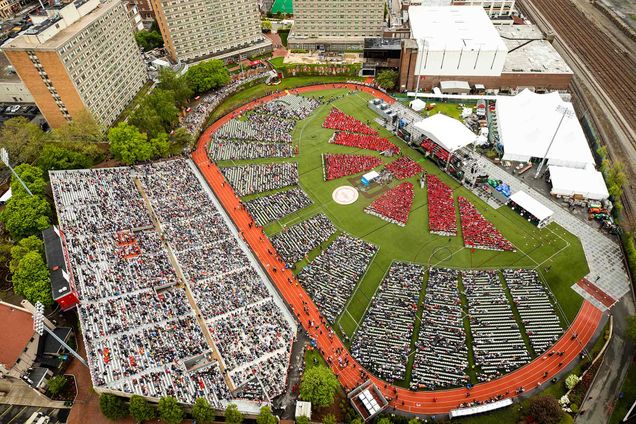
x,y
11,414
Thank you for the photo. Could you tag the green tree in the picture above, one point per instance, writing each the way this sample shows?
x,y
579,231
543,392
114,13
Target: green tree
x,y
112,407
160,145
387,79
631,328
56,157
25,215
139,409
146,119
57,384
82,129
413,421
207,76
31,176
149,40
545,410
24,246
170,411
358,420
303,420
22,139
181,137
202,411
571,381
129,145
178,86
266,25
329,419
233,415
265,416
319,386
156,113
31,279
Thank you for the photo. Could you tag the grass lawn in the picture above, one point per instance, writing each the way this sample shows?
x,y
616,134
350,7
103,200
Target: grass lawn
x,y
447,108
629,395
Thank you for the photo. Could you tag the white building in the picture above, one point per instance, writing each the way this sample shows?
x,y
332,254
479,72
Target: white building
x,y
456,41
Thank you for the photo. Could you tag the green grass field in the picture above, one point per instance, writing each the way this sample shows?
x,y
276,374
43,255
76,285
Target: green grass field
x,y
556,254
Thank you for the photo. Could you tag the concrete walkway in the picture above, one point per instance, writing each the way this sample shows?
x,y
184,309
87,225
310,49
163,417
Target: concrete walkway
x,y
19,393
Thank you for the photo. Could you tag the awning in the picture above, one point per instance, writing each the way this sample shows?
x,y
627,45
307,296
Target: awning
x,y
587,183
454,86
418,105
463,412
447,132
531,205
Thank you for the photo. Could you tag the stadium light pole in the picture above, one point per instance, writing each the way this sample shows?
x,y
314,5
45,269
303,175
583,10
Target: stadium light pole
x,y
566,113
40,328
4,157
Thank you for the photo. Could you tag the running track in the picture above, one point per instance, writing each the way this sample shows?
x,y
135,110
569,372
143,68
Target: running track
x,y
420,402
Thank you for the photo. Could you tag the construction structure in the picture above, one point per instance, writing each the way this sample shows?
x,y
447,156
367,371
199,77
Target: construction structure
x,y
197,30
335,25
79,56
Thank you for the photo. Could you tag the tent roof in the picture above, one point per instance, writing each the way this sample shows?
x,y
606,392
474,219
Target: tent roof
x,y
527,123
588,183
454,85
418,105
446,131
530,204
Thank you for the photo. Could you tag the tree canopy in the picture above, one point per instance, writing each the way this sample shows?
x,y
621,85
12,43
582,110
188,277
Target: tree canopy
x,y
57,157
233,415
202,411
24,246
25,215
139,409
33,178
266,416
302,420
545,410
319,386
207,76
31,279
156,113
387,79
57,384
129,145
82,129
112,407
178,86
331,419
631,327
170,411
22,139
149,40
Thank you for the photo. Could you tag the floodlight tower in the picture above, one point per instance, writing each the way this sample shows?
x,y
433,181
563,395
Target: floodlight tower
x,y
40,328
567,113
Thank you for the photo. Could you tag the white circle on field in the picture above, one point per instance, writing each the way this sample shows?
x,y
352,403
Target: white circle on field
x,y
345,195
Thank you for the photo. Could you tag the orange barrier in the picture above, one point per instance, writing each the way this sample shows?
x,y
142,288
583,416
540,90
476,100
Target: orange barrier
x,y
331,347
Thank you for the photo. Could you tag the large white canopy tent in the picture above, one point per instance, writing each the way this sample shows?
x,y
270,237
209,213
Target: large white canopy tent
x,y
527,122
447,132
538,210
586,183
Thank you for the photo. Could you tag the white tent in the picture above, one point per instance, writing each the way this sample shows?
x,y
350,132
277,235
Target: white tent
x,y
418,105
448,132
587,183
527,123
535,208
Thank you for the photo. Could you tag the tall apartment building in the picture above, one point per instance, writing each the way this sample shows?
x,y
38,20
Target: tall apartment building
x,y
194,30
494,8
79,56
335,24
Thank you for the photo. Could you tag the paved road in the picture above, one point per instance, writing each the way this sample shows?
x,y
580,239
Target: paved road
x,y
16,414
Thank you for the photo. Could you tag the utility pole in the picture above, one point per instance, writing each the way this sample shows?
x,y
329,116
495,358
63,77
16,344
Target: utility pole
x,y
566,113
4,157
40,328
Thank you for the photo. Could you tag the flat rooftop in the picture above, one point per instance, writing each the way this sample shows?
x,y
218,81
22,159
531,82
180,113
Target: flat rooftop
x,y
4,75
16,329
22,41
454,28
383,43
529,52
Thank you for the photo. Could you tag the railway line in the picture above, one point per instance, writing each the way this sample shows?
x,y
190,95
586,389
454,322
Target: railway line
x,y
602,68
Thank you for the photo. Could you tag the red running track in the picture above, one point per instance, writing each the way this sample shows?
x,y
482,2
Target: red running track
x,y
529,376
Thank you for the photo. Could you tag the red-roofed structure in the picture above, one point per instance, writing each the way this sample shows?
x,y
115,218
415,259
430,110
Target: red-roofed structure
x,y
16,331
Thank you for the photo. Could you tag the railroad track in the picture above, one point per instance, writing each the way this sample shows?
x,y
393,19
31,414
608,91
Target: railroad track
x,y
605,70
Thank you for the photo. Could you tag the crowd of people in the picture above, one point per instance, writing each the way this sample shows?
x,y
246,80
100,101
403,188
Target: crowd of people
x,y
251,179
477,231
435,150
331,278
497,343
382,342
441,207
270,208
140,328
197,117
338,120
295,242
441,358
404,168
532,300
338,165
394,206
224,149
364,141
